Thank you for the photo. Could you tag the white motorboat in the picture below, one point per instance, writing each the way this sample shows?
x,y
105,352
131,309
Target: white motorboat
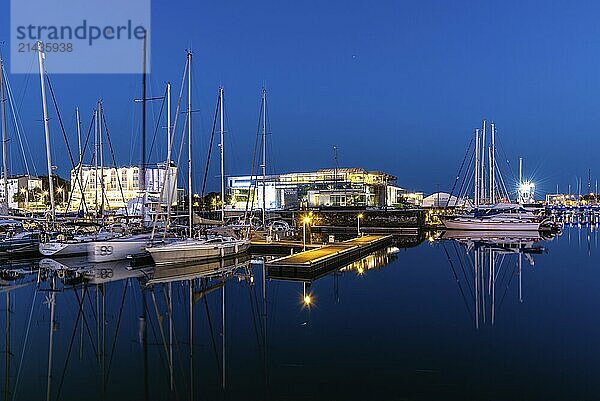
x,y
196,250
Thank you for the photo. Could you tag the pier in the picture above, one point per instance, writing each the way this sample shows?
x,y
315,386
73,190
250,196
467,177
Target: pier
x,y
326,256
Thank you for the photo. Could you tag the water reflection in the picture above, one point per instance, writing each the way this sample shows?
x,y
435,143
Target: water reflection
x,y
484,262
234,329
85,308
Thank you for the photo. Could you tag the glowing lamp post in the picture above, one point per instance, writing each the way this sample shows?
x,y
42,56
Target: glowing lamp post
x,y
360,216
305,221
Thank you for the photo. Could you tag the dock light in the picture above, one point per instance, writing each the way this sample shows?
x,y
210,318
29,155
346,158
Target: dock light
x,y
306,296
360,216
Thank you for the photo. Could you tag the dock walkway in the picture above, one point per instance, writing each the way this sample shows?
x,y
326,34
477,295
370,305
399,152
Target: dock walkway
x,y
333,254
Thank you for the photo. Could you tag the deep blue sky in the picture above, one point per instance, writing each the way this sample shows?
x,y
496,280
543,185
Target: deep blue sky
x,y
397,86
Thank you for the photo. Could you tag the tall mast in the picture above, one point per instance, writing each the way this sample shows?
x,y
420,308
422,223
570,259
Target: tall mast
x,y
189,118
222,156
519,190
482,194
80,165
477,155
493,164
41,58
102,186
4,135
142,175
78,132
264,157
96,162
168,177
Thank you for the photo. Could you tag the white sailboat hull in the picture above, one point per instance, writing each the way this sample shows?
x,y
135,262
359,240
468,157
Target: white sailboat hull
x,y
63,249
117,249
490,225
194,251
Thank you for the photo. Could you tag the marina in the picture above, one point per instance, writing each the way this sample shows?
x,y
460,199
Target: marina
x,y
299,201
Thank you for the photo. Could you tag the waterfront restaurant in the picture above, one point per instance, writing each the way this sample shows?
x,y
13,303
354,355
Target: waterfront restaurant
x,y
343,187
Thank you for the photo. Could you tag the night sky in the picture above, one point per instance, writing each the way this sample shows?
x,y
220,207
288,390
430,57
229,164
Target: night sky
x,y
397,86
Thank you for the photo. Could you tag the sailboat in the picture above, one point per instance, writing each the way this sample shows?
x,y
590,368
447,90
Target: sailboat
x,y
65,244
494,215
194,249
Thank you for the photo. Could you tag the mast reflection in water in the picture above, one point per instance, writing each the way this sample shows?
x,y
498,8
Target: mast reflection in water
x,y
467,314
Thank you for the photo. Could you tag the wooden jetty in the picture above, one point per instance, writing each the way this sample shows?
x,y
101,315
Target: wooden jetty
x,y
279,247
331,255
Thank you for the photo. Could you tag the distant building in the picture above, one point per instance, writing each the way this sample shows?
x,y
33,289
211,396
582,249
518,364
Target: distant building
x,y
443,199
344,187
20,184
120,185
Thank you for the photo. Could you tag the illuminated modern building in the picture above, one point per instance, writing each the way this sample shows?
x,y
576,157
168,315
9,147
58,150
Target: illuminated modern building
x,y
344,187
121,185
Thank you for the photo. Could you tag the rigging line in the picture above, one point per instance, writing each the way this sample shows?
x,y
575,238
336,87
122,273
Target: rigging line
x,y
80,167
464,183
16,385
462,293
254,313
112,351
460,171
212,334
162,106
176,341
89,332
60,121
252,165
151,324
210,146
161,328
62,127
62,378
503,185
462,267
178,108
500,144
175,180
112,154
16,119
507,286
19,106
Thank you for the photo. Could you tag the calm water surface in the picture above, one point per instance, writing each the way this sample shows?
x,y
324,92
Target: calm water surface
x,y
441,320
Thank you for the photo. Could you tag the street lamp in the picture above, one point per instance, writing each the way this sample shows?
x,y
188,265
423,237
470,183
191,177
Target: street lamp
x,y
305,221
60,190
360,216
23,191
